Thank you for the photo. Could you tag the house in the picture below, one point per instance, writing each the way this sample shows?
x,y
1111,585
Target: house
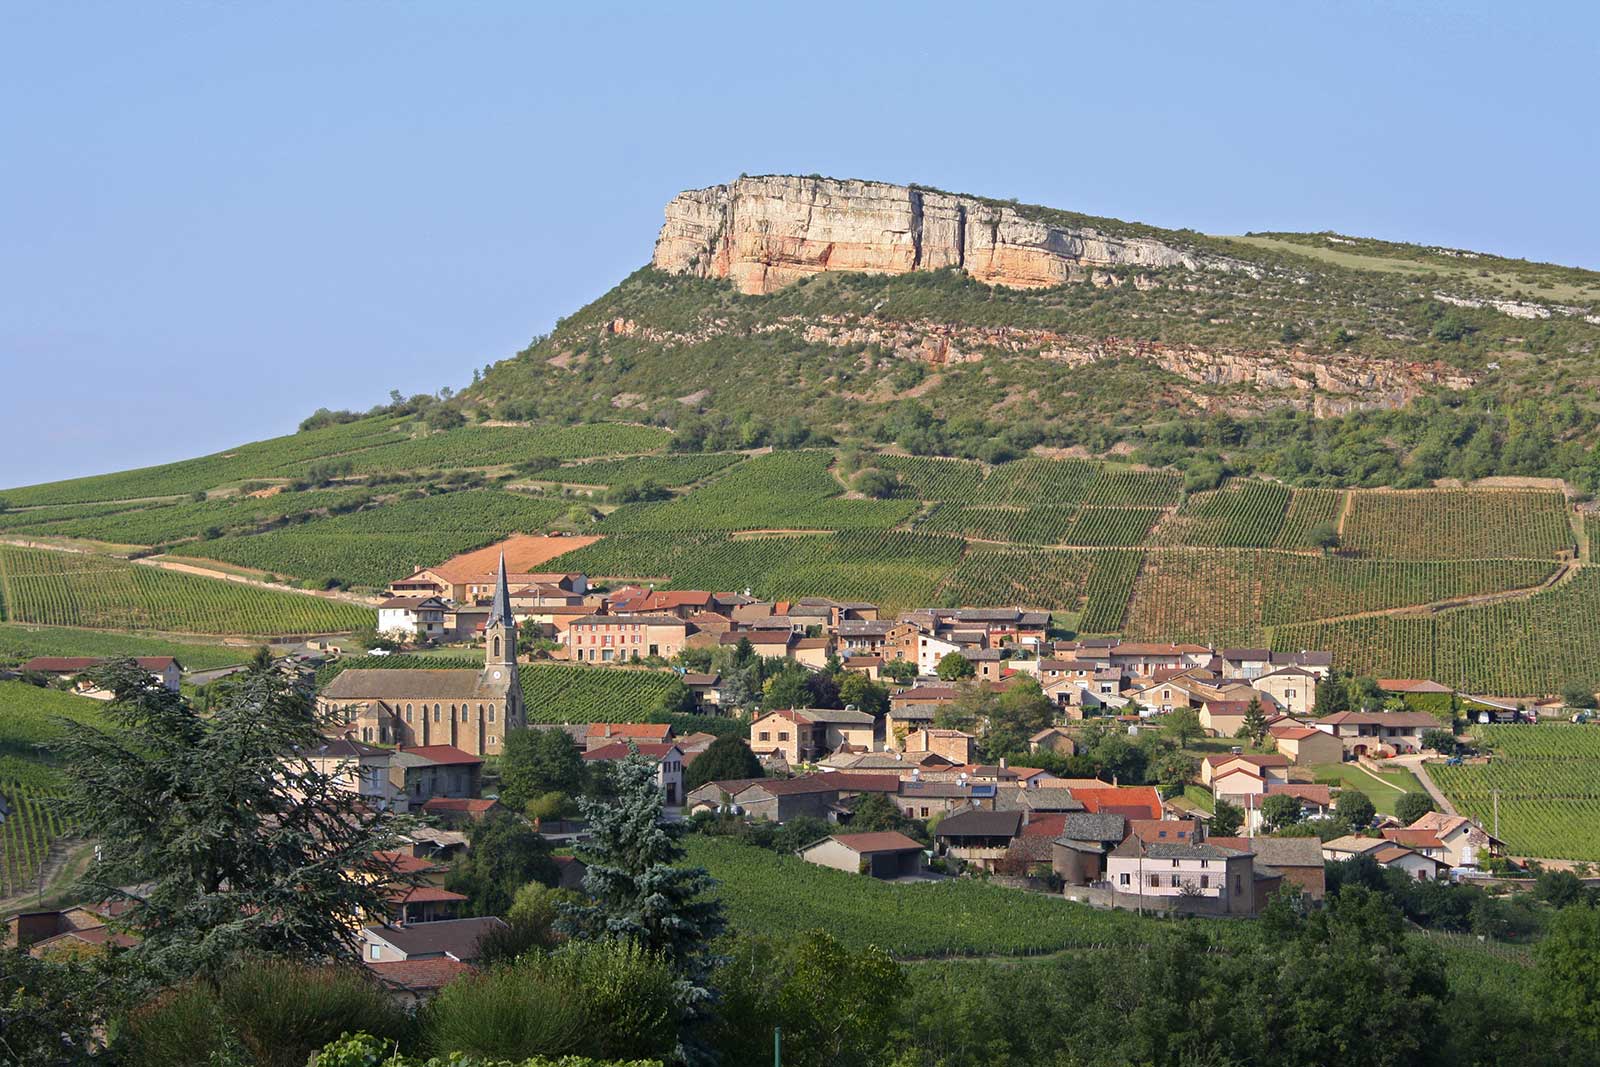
x,y
1418,840
623,638
413,618
1306,745
467,708
361,769
666,756
163,669
1379,733
954,745
1224,718
469,576
424,772
1294,689
453,939
1153,831
461,811
978,837
811,652
1274,766
920,799
1078,850
1299,859
1464,841
1246,662
1053,739
864,638
781,799
1386,853
705,688
412,982
1204,877
1315,800
1132,802
802,735
886,854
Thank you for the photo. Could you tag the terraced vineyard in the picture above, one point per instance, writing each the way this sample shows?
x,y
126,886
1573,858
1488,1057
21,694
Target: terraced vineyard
x,y
670,470
1243,514
1096,581
1237,593
74,589
36,822
930,478
1523,647
164,524
492,446
373,547
1458,524
780,490
1548,780
1310,509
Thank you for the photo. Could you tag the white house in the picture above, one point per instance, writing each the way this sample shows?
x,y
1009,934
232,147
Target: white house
x,y
411,618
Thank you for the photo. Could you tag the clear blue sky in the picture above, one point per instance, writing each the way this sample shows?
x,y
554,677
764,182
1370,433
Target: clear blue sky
x,y
216,217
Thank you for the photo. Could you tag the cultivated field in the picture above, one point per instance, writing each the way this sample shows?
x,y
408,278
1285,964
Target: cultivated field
x,y
1548,780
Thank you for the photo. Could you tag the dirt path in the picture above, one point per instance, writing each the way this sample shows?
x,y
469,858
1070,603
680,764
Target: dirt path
x,y
66,858
204,572
1439,799
1344,511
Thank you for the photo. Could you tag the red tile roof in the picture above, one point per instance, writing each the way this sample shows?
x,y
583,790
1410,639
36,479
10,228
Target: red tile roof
x,y
1142,800
658,731
424,894
623,749
420,974
471,805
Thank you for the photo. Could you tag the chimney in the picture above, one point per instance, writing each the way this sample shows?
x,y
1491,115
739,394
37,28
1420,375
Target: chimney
x,y
1002,763
1113,781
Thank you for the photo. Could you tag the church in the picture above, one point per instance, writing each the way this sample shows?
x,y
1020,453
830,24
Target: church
x,y
468,709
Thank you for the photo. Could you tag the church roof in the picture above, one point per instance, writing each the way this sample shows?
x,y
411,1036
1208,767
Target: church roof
x,y
500,609
413,683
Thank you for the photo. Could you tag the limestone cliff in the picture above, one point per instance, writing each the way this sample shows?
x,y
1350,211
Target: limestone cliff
x,y
764,233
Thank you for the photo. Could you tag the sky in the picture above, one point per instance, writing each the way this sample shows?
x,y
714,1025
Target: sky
x,y
218,217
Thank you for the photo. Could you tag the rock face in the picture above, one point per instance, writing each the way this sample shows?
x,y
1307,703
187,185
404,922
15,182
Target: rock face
x,y
765,233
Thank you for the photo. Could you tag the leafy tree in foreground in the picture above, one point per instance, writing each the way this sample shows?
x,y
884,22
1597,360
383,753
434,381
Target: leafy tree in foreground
x,y
1569,971
1356,807
234,842
954,666
506,854
899,670
1227,819
1412,806
724,759
1280,810
535,762
1183,726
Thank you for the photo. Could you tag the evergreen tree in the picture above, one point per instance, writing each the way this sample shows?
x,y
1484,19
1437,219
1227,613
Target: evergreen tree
x,y
1332,697
236,842
1254,725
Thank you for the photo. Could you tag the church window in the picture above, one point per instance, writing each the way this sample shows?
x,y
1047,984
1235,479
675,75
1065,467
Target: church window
x,y
408,713
464,713
497,648
436,713
491,713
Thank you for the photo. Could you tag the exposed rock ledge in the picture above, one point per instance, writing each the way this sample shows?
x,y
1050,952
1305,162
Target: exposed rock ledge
x,y
1326,386
765,233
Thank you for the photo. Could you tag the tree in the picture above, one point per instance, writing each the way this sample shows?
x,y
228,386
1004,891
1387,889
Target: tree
x,y
1280,810
856,688
954,666
538,761
1183,726
1325,535
636,892
1568,973
233,841
788,689
725,758
1173,772
506,854
1016,714
900,670
1412,806
1578,694
1254,725
1332,697
876,483
875,812
1441,741
1357,807
1227,819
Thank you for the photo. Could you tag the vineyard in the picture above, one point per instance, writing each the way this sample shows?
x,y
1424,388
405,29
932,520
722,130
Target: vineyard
x,y
672,470
1523,647
493,446
1548,780
780,490
19,643
1458,524
163,524
1310,509
784,895
1237,593
373,547
36,822
930,478
74,589
1243,514
31,719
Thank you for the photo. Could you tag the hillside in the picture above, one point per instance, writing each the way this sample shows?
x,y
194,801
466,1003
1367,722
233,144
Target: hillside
x,y
893,394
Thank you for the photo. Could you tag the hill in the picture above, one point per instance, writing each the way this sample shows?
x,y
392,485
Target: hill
x,y
912,397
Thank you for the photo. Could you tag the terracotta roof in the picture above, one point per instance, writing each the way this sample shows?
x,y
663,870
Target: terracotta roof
x,y
622,750
881,841
470,805
444,755
1418,839
419,974
405,862
1143,798
1163,829
1270,759
521,551
1311,794
1393,719
639,731
1294,733
424,894
1411,685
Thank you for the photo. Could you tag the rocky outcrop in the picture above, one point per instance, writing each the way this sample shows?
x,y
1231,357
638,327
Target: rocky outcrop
x,y
764,233
1324,385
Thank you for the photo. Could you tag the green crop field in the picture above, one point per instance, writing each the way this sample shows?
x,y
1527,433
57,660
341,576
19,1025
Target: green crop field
x,y
890,568
1308,510
1199,593
1548,780
74,589
31,719
1049,579
1458,524
784,895
1245,513
931,478
19,643
780,490
166,523
671,470
493,446
375,546
35,823
1530,646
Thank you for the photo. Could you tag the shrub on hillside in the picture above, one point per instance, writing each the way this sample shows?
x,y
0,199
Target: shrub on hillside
x,y
364,1050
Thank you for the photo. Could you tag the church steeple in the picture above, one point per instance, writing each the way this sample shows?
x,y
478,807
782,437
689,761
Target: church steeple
x,y
500,629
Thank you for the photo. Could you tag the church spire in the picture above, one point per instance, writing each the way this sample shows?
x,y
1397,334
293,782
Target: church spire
x,y
500,610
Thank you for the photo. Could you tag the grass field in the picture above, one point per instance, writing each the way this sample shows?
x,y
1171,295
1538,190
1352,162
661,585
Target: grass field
x,y
19,643
74,589
783,895
1383,790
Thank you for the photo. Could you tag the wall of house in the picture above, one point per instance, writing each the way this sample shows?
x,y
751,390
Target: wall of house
x,y
831,853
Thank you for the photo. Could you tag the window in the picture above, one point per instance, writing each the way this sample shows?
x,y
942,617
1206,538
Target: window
x,y
783,735
374,952
1205,881
491,713
408,713
1238,884
1174,863
1204,864
497,647
436,713
1122,879
463,713
1176,881
493,740
366,733
765,736
924,813
1155,881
